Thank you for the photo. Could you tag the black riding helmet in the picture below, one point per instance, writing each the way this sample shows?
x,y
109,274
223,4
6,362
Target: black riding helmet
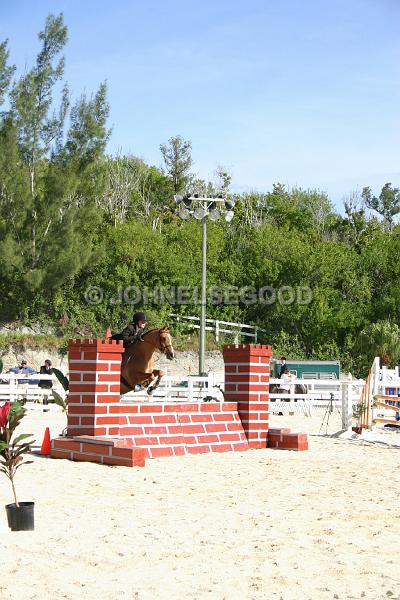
x,y
139,316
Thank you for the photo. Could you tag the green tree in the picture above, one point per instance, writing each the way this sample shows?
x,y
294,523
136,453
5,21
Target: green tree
x,y
387,204
47,198
178,160
6,71
381,339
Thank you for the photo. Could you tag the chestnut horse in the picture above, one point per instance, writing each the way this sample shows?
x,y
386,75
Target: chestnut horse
x,y
137,361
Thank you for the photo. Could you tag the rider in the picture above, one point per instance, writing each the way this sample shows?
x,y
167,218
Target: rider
x,y
134,331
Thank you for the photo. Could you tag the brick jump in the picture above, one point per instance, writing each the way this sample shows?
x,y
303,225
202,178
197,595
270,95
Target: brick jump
x,y
101,429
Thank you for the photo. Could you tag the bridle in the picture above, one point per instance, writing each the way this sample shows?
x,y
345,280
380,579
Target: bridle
x,y
162,347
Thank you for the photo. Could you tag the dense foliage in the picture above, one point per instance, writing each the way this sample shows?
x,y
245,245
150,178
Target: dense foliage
x,y
73,219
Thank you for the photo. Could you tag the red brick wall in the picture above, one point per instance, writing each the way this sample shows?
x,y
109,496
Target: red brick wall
x,y
175,429
94,387
169,429
99,450
247,371
160,429
102,429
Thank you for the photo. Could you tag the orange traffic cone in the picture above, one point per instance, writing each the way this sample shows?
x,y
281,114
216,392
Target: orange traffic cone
x,y
46,444
108,334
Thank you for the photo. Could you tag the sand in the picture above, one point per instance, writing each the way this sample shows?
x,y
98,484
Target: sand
x,y
263,524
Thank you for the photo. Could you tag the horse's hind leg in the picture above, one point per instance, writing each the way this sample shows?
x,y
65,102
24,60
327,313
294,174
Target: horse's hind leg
x,y
156,375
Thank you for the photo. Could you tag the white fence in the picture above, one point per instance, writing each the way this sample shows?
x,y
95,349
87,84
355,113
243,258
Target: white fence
x,y
237,329
384,393
320,395
24,387
341,394
178,388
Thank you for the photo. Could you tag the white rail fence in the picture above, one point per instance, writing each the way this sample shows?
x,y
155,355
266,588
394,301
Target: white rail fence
x,y
178,388
218,327
319,395
24,387
341,395
384,392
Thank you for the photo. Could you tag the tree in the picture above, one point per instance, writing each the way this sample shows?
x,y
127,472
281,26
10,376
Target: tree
x,y
6,72
32,99
124,176
381,339
387,204
224,179
87,136
47,193
178,160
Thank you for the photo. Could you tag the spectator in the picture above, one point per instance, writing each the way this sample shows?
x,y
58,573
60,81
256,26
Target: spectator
x,y
287,379
46,370
46,384
23,369
283,366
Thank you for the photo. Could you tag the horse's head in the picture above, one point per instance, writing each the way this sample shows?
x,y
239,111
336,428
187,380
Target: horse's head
x,y
166,343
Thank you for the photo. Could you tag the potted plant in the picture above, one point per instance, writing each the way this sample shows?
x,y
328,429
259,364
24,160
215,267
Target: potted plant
x,y
20,515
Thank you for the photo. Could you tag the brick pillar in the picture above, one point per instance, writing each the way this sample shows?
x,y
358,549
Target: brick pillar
x,y
94,387
247,370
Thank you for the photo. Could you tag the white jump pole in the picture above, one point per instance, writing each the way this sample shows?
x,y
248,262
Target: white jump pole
x,y
347,406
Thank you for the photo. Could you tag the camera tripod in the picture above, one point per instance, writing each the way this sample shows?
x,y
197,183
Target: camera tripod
x,y
329,410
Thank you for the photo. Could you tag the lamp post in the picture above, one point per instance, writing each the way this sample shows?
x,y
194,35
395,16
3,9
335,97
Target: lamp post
x,y
202,208
203,304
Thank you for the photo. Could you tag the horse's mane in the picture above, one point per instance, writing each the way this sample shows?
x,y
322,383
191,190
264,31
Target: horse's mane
x,y
155,329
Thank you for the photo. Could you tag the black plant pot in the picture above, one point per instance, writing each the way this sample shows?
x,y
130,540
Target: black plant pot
x,y
21,518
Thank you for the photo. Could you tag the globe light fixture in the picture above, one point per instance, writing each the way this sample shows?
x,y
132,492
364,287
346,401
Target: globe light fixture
x,y
183,213
229,204
214,215
200,213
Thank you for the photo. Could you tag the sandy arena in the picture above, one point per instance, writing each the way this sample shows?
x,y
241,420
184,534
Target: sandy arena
x,y
262,524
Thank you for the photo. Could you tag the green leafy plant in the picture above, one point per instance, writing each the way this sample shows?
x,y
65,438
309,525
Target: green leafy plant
x,y
358,410
210,399
60,401
12,449
62,379
218,387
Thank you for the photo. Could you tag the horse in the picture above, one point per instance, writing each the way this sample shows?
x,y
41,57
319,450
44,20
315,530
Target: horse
x,y
275,388
137,361
299,388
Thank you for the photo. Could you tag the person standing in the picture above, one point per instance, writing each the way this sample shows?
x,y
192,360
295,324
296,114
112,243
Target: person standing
x,y
46,384
46,369
283,366
287,379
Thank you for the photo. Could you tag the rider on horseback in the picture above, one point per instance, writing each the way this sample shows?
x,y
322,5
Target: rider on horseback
x,y
134,331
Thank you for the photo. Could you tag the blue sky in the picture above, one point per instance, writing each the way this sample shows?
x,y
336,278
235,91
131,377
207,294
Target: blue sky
x,y
306,93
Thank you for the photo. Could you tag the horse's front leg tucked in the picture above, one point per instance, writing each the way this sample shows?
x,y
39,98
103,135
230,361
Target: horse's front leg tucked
x,y
157,375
